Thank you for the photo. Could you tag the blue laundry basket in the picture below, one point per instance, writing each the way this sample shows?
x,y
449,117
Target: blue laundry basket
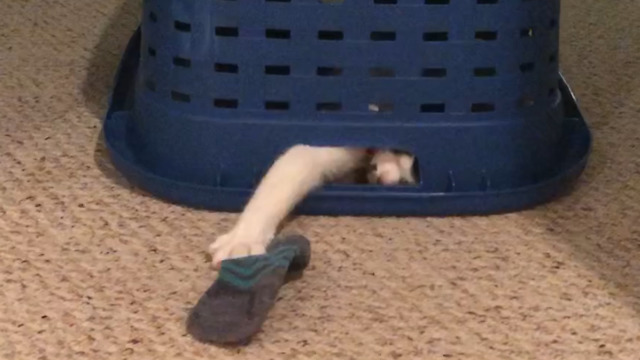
x,y
209,92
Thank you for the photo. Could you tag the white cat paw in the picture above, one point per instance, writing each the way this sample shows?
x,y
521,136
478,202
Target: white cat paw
x,y
389,168
234,245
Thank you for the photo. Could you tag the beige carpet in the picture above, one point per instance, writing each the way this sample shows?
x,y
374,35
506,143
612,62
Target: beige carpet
x,y
90,269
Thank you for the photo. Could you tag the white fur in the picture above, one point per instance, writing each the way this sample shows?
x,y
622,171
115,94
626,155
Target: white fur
x,y
391,168
293,175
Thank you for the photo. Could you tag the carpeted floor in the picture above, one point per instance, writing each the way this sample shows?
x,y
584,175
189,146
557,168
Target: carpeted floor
x,y
91,269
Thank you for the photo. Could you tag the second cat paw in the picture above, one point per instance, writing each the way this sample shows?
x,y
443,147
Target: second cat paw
x,y
391,168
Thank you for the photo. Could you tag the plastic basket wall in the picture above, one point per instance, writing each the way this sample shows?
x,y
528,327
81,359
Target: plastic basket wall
x,y
211,91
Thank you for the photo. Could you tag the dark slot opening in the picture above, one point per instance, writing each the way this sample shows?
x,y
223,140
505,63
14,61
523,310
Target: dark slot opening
x,y
383,36
276,105
182,26
277,34
226,68
227,31
281,70
328,106
225,103
330,35
434,72
382,107
486,35
527,67
432,108
435,36
328,71
182,62
180,97
485,72
482,107
382,72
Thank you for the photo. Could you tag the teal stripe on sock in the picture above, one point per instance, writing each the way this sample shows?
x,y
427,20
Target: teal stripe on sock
x,y
241,266
240,270
247,283
245,272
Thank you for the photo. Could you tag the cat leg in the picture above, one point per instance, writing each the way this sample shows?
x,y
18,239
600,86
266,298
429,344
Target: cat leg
x,y
296,173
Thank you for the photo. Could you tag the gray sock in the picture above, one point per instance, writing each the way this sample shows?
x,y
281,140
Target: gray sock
x,y
234,308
